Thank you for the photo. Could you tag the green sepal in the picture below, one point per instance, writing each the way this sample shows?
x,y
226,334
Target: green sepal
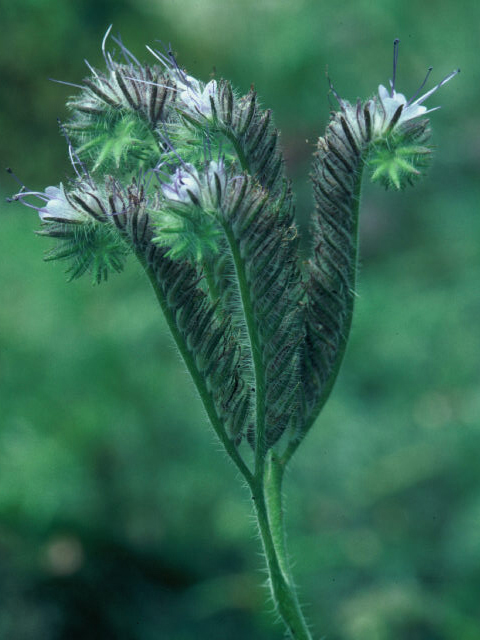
x,y
89,247
402,157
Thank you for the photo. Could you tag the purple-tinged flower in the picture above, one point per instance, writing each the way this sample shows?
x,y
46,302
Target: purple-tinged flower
x,y
196,99
206,188
56,208
78,207
185,186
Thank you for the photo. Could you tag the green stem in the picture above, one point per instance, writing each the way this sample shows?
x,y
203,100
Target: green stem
x,y
268,508
209,270
330,382
195,373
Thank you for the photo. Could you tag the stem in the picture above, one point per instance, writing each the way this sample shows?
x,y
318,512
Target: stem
x,y
268,508
330,382
194,372
209,270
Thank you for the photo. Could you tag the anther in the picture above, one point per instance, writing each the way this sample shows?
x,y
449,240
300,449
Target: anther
x,y
9,170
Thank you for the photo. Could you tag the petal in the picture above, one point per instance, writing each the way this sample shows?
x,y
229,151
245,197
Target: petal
x,y
383,92
399,97
54,192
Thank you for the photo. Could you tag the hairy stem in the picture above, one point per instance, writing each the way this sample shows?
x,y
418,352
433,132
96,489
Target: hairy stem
x,y
268,509
208,269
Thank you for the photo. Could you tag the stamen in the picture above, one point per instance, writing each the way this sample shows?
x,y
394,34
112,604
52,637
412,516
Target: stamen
x,y
128,55
92,70
169,144
107,57
396,42
159,56
170,63
19,197
69,84
155,84
440,84
74,158
429,71
15,177
332,89
174,63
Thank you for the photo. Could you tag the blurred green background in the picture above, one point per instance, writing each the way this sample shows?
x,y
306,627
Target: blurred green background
x,y
119,518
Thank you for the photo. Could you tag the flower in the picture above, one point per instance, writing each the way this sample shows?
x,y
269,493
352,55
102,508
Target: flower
x,y
56,208
394,108
217,180
196,99
185,185
59,208
206,189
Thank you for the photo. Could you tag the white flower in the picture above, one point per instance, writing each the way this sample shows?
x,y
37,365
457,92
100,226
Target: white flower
x,y
206,188
394,108
56,208
194,98
185,185
216,180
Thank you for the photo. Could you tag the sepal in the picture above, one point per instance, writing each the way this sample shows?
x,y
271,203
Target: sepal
x,y
401,158
89,247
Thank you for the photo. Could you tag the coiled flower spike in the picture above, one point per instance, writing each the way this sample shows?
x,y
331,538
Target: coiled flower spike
x,y
189,178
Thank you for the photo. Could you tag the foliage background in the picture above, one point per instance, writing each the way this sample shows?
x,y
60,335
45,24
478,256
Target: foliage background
x,y
118,516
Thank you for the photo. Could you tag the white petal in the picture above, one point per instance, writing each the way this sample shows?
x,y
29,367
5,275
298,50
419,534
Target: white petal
x,y
399,97
383,92
54,192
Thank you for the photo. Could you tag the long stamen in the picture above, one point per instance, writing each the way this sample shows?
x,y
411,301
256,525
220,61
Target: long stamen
x,y
74,158
92,70
127,54
429,71
107,57
155,84
19,197
174,62
396,42
68,84
160,57
332,89
15,177
440,84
